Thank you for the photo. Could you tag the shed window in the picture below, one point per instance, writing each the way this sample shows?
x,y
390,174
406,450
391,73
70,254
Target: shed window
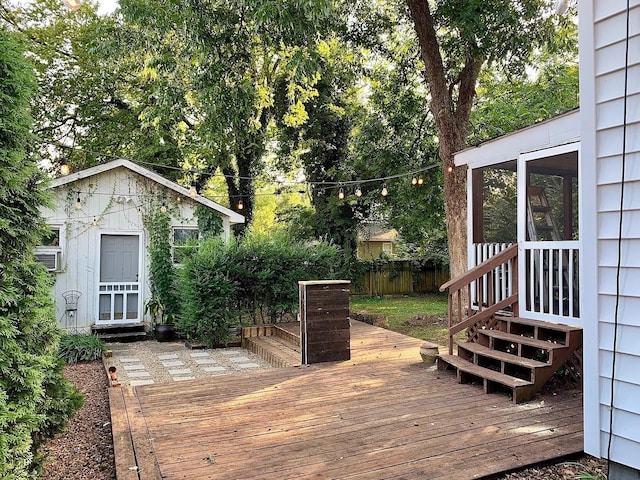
x,y
49,252
387,248
184,241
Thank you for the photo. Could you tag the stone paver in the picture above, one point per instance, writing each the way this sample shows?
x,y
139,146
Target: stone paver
x,y
170,356
134,367
174,363
149,362
248,365
205,361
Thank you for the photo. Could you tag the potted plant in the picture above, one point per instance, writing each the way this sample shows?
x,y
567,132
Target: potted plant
x,y
163,322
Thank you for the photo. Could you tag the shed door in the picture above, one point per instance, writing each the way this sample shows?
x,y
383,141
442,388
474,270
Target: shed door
x,y
118,289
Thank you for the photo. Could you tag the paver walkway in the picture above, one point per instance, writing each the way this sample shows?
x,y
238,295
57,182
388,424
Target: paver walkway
x,y
145,363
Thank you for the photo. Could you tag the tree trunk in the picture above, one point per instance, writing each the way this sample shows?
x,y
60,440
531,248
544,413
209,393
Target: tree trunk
x,y
451,108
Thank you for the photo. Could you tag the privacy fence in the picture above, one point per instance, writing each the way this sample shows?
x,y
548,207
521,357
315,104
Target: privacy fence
x,y
402,278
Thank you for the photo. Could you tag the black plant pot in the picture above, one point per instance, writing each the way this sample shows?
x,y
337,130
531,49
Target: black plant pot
x,y
165,333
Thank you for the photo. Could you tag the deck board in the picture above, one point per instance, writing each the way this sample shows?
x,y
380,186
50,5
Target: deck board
x,y
382,414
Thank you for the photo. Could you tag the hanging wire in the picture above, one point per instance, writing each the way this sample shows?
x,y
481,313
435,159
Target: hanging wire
x,y
616,315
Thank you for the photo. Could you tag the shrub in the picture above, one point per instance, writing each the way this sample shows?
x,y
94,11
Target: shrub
x,y
256,277
80,348
207,295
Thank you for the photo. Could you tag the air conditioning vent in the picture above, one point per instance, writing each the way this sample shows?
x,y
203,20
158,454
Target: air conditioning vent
x,y
51,261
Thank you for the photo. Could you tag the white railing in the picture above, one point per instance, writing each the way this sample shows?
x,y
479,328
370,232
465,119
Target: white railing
x,y
502,277
549,283
551,279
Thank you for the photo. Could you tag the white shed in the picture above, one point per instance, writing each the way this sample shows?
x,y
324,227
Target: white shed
x,y
610,130
97,249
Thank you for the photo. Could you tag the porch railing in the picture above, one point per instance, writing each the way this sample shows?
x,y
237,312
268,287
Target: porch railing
x,y
552,279
479,283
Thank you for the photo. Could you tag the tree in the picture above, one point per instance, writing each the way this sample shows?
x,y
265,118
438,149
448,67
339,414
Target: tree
x,y
35,400
457,38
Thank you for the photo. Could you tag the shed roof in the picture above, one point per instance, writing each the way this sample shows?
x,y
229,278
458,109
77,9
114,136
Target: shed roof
x,y
234,217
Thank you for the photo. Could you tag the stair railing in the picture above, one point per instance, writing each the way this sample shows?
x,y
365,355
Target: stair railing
x,y
480,280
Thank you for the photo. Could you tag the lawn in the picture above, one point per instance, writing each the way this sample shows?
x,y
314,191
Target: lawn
x,y
423,317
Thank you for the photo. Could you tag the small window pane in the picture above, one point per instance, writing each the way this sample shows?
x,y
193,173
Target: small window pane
x,y
51,238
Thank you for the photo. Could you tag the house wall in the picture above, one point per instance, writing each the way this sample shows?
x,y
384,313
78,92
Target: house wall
x,y
602,84
110,204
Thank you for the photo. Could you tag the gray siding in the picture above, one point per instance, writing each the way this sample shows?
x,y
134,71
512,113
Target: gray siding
x,y
606,108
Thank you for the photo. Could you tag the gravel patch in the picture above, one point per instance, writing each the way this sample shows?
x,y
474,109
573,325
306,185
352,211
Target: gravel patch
x,y
143,363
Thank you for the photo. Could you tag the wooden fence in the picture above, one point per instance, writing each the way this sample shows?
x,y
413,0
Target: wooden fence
x,y
402,278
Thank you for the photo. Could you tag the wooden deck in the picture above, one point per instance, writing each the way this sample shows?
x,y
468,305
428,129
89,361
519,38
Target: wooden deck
x,y
381,415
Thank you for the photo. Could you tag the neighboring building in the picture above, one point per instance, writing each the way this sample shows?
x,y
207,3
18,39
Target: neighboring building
x,y
97,249
376,241
609,89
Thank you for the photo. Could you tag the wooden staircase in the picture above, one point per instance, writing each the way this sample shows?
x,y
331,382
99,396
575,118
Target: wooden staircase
x,y
277,344
502,350
517,353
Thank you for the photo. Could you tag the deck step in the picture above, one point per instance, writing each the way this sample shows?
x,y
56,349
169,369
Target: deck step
x,y
467,372
481,350
275,350
126,332
521,339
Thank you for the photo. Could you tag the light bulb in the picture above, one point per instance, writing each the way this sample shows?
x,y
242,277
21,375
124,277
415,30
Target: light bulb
x,y
192,191
341,193
358,192
240,205
449,169
384,192
65,168
414,181
94,223
72,4
139,212
420,181
163,208
78,203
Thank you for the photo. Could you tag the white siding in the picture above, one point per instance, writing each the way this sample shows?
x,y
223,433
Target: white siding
x,y
602,64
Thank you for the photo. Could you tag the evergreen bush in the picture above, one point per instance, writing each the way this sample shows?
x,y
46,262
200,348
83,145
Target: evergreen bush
x,y
35,400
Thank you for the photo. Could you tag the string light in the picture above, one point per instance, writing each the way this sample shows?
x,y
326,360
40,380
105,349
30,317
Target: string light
x,y
384,191
414,181
192,191
358,191
420,181
341,193
163,208
78,202
449,169
240,204
139,211
65,168
72,4
94,223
